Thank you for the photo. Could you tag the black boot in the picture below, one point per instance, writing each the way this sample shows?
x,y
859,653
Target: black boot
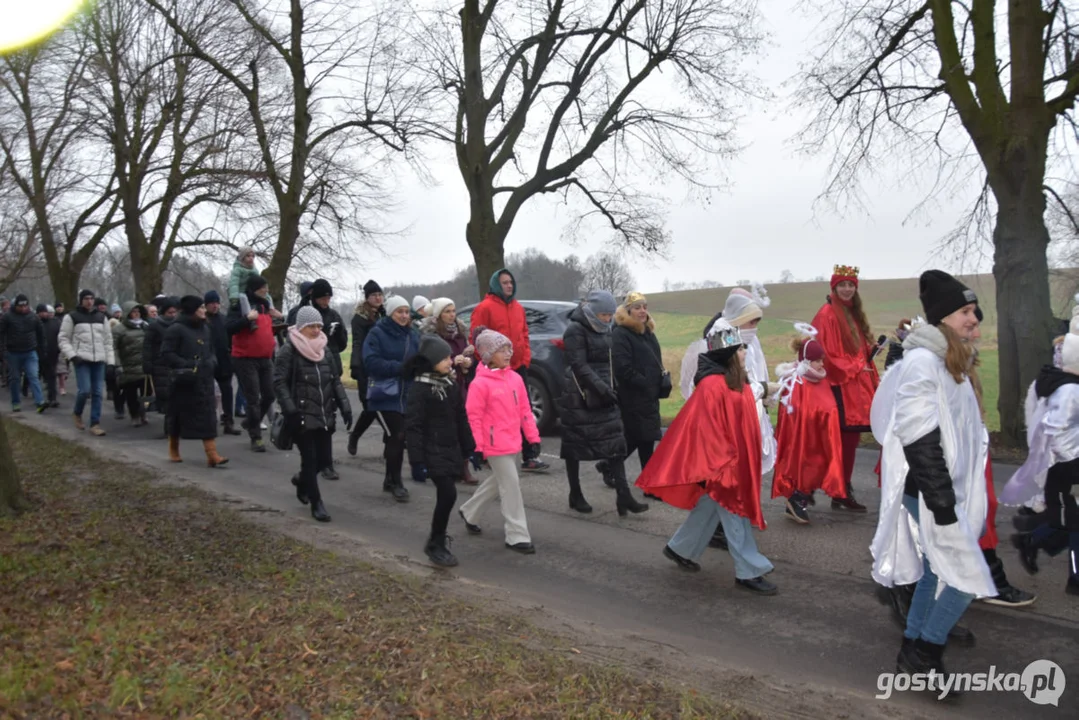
x,y
626,502
1028,552
438,551
318,511
897,599
387,482
300,494
578,503
923,657
719,539
400,493
354,439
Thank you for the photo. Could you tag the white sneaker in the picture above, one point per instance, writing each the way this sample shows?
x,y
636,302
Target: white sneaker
x,y
264,425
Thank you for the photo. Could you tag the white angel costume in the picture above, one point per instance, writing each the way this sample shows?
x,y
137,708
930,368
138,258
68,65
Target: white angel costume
x,y
1053,437
917,396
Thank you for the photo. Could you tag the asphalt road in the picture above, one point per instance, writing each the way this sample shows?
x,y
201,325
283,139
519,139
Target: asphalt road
x,y
814,650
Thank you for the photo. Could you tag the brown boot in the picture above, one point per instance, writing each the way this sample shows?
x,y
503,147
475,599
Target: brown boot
x,y
212,458
174,449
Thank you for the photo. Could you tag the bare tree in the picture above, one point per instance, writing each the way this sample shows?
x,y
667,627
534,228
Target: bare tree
x,y
20,246
786,276
327,98
52,159
565,97
895,79
170,121
607,271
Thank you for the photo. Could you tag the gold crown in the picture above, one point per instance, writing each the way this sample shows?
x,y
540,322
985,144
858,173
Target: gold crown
x,y
845,271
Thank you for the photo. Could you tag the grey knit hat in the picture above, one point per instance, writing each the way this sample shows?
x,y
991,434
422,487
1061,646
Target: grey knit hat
x,y
307,315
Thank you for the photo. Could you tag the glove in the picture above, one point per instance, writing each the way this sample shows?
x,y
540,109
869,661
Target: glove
x,y
419,472
347,417
945,516
477,460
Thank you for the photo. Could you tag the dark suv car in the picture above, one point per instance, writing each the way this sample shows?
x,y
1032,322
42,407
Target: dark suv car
x,y
547,320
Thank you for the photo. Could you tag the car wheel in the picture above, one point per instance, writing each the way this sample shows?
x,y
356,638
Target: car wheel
x,y
542,407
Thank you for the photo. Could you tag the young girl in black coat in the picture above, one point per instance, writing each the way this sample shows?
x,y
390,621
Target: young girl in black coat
x,y
437,435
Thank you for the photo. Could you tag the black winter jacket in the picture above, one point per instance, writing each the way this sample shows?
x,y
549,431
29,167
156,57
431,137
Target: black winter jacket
x,y
22,332
437,433
638,371
589,433
928,476
153,361
222,344
192,412
336,334
363,320
312,390
52,343
895,354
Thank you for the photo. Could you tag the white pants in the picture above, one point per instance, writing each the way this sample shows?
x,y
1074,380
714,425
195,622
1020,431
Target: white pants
x,y
502,482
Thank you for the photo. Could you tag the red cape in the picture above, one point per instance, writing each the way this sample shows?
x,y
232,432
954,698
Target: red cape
x,y
847,370
715,440
809,456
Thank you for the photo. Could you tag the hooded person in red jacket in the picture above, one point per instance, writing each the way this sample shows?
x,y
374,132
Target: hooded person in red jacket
x,y
253,347
501,312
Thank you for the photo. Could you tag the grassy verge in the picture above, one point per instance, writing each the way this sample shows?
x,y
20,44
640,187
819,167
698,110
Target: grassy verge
x,y
122,597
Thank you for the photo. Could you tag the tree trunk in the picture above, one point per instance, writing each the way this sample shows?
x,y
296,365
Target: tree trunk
x,y
145,271
12,499
276,273
1024,311
487,244
65,284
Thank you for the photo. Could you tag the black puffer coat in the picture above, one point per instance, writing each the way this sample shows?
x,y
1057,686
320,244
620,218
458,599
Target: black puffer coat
x,y
437,433
312,388
638,372
363,320
153,361
192,407
219,331
589,433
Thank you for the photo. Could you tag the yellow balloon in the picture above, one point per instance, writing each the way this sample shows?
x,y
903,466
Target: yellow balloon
x,y
28,21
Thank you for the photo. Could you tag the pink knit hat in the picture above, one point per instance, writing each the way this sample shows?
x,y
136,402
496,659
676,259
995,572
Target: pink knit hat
x,y
489,342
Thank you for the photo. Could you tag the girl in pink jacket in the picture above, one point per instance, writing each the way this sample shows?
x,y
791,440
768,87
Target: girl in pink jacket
x,y
498,411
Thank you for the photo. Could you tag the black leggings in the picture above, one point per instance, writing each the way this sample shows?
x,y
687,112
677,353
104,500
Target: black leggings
x,y
315,447
444,502
615,466
644,449
394,438
131,395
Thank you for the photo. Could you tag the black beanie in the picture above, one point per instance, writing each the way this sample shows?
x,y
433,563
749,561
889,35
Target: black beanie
x,y
83,294
190,303
320,289
42,307
255,282
370,288
434,349
165,303
941,295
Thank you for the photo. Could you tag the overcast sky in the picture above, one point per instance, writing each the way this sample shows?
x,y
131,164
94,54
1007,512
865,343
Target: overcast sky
x,y
765,223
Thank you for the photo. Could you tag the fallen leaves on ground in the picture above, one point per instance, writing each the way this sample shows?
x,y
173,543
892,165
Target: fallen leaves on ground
x,y
129,598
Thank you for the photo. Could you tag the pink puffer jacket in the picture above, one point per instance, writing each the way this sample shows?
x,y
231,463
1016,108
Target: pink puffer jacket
x,y
498,410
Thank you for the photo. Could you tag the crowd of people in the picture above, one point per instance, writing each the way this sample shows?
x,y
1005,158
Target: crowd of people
x,y
453,401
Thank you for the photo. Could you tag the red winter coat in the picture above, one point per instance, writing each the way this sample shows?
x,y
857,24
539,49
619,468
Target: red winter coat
x,y
496,314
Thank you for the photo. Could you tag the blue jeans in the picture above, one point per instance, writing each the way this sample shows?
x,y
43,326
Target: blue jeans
x,y
692,538
19,363
90,377
932,618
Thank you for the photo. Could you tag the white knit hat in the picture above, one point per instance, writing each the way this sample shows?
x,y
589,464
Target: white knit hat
x,y
1070,351
307,315
393,302
438,306
741,307
419,302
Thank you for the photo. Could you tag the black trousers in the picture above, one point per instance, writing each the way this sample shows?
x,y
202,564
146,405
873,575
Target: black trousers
x,y
446,498
256,379
644,449
315,447
615,466
394,439
526,447
365,420
224,384
48,374
1061,508
130,394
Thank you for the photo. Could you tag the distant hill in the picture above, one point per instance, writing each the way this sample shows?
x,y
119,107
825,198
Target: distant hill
x,y
886,301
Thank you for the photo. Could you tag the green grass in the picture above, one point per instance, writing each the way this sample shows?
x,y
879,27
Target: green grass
x,y
122,597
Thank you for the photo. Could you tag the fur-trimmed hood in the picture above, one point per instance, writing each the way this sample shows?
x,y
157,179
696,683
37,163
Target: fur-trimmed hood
x,y
366,311
624,319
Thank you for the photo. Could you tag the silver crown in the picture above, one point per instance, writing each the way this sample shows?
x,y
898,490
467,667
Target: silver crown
x,y
721,338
